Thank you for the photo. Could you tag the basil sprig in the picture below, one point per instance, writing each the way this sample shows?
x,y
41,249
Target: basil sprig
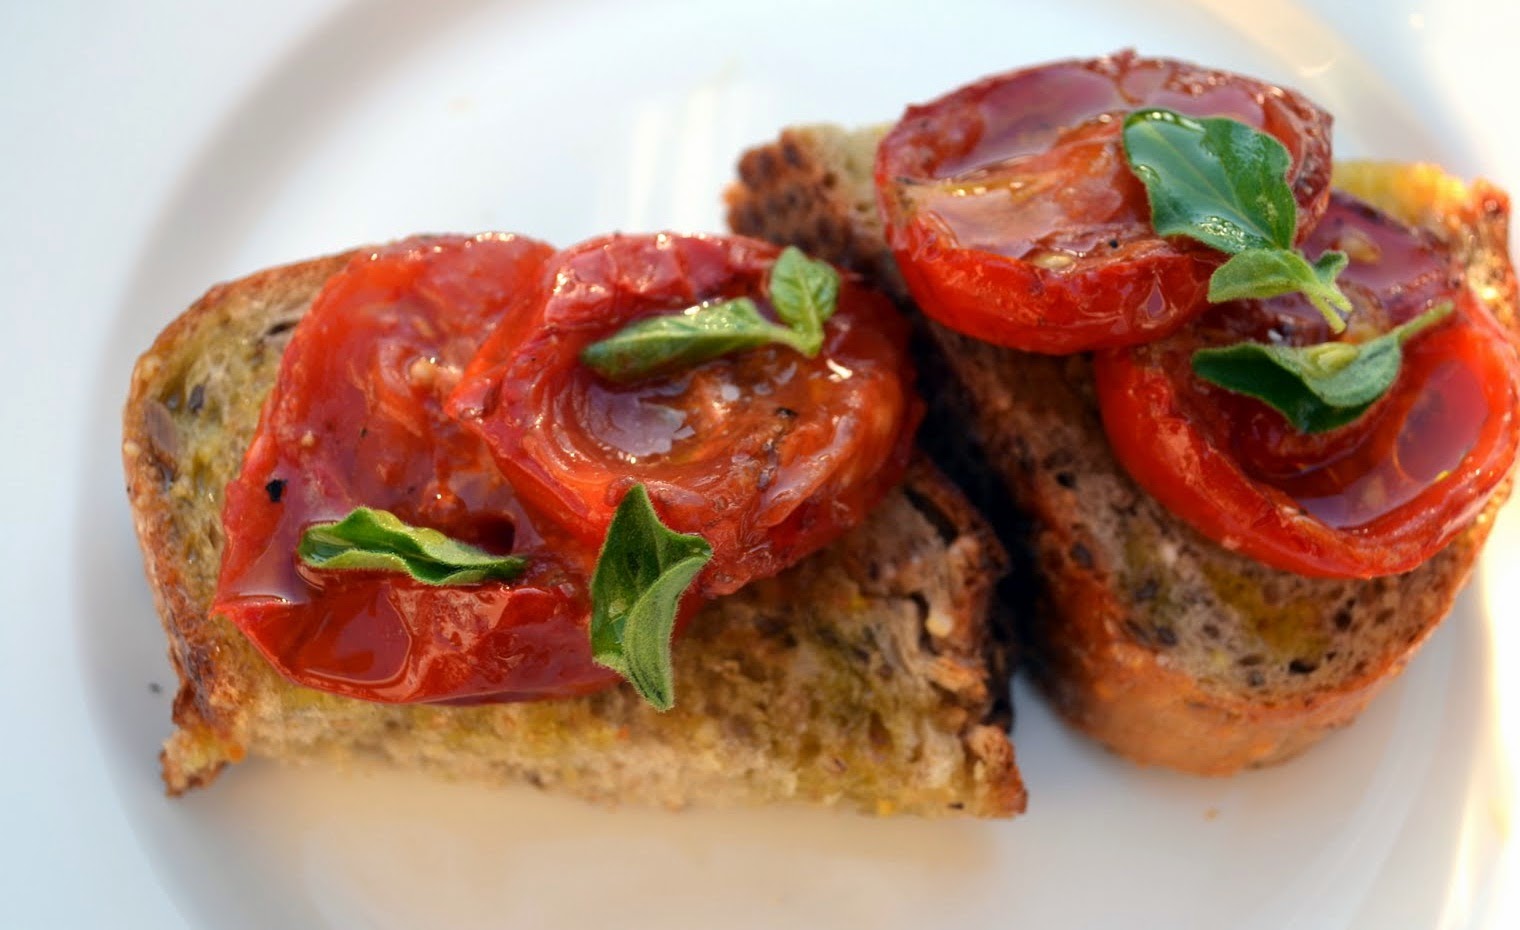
x,y
378,540
643,570
803,292
1319,387
1224,184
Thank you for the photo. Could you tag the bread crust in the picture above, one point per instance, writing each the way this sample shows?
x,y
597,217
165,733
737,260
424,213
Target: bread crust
x,y
866,677
206,702
1118,576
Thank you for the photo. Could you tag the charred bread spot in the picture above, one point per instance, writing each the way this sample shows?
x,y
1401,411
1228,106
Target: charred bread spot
x,y
945,525
1082,556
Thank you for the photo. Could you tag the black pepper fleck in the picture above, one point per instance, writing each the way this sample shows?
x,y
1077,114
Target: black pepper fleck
x,y
1166,635
1066,479
1302,666
1113,243
197,398
1256,679
275,489
1147,591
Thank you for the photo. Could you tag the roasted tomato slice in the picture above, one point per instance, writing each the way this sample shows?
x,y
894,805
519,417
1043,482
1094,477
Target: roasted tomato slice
x,y
767,454
1376,497
1015,218
356,417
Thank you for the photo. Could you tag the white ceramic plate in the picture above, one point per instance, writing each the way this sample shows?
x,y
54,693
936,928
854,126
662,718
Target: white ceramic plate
x,y
180,147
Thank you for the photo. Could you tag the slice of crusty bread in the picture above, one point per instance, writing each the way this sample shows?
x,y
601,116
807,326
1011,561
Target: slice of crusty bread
x,y
1157,642
866,677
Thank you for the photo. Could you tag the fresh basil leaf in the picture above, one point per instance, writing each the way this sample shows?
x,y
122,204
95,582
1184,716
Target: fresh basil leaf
x,y
1319,387
1214,180
1327,268
1224,184
804,293
643,570
378,540
662,344
1263,273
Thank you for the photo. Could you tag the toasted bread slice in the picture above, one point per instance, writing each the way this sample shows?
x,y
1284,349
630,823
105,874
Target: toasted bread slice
x,y
866,677
1166,647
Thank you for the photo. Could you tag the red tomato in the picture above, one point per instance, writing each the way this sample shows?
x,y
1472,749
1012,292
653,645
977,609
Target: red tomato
x,y
1015,218
1376,497
769,455
356,417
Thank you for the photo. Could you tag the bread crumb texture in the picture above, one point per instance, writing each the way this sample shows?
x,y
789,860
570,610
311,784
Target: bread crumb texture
x,y
866,677
1155,641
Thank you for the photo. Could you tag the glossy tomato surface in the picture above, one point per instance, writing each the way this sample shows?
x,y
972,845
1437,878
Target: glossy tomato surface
x,y
766,453
1015,218
1376,497
356,418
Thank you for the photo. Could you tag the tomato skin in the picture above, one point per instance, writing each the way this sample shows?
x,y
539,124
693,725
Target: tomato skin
x,y
1067,261
783,454
1377,497
356,418
767,454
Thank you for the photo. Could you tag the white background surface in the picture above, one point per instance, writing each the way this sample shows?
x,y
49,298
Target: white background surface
x,y
147,150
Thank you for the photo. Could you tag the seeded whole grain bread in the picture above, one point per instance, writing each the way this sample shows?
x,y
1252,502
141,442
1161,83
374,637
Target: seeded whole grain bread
x,y
1162,645
866,677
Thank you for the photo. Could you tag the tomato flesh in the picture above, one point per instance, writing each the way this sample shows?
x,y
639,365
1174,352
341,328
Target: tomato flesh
x,y
1376,497
1015,218
767,454
356,418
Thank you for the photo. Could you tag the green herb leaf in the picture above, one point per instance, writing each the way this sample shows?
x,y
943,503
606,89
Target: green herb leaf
x,y
1319,387
1215,180
659,345
377,540
1224,184
1263,273
643,570
804,293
